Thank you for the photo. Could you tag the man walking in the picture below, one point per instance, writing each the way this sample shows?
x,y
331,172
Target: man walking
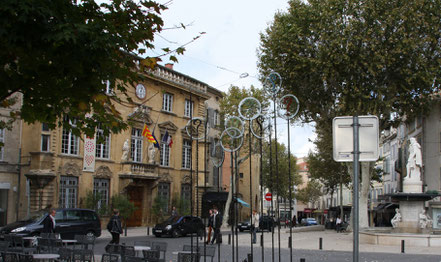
x,y
255,219
217,223
49,222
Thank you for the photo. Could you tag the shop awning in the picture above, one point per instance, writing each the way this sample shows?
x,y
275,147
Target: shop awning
x,y
243,203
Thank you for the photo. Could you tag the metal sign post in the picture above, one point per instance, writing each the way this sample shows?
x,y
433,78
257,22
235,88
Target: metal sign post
x,y
355,139
356,173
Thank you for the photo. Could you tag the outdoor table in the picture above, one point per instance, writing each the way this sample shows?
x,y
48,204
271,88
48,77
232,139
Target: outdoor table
x,y
140,249
183,252
32,241
46,257
68,241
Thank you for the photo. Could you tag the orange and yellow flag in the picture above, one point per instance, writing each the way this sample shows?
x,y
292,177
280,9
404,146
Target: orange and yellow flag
x,y
146,132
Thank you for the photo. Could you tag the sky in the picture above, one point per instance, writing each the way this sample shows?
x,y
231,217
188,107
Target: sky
x,y
228,50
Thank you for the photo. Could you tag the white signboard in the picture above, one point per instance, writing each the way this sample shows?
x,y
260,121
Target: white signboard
x,y
343,138
89,154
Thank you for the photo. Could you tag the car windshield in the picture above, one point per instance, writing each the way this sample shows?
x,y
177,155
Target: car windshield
x,y
173,220
36,216
311,219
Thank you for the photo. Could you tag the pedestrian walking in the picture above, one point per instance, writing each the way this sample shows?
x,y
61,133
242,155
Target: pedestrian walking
x,y
174,212
217,223
114,227
338,224
210,225
255,225
49,222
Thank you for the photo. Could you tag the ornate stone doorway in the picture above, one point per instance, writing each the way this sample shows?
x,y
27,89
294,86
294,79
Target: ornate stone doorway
x,y
135,195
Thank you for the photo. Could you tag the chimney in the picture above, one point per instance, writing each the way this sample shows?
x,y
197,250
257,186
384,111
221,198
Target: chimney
x,y
169,66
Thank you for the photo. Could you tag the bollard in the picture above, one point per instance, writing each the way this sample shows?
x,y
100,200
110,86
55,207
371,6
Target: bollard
x,y
148,231
320,243
261,240
250,257
229,239
402,246
289,242
302,260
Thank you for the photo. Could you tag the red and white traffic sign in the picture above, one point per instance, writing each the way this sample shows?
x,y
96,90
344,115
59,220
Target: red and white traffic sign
x,y
268,197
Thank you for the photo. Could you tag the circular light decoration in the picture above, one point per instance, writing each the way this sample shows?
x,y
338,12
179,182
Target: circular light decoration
x,y
288,106
249,108
272,83
237,123
218,154
261,126
231,143
197,123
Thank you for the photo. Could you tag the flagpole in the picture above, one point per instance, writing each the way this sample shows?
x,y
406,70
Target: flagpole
x,y
156,122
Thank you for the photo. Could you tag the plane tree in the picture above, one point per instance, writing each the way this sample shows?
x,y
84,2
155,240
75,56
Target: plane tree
x,y
62,55
373,57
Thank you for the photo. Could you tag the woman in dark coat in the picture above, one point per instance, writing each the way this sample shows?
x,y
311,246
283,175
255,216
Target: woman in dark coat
x,y
114,227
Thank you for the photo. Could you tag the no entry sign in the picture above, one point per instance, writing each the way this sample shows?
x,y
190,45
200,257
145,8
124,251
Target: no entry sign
x,y
268,197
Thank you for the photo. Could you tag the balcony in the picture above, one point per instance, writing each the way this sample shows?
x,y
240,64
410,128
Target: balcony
x,y
180,79
139,170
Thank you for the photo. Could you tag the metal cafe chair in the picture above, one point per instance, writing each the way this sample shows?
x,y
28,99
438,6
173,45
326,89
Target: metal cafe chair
x,y
109,258
151,255
162,247
189,257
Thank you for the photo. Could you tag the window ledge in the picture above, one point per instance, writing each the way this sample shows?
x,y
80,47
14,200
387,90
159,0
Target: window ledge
x,y
105,160
166,167
70,156
168,112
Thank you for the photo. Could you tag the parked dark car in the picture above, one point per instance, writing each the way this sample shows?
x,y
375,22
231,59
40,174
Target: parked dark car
x,y
265,223
179,226
308,221
244,225
68,223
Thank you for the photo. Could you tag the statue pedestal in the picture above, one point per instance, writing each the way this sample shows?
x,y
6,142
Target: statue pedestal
x,y
409,213
410,186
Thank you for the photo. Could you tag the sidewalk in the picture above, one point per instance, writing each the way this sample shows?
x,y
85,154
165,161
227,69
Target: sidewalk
x,y
331,240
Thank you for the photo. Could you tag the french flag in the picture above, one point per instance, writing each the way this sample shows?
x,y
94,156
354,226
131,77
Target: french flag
x,y
167,139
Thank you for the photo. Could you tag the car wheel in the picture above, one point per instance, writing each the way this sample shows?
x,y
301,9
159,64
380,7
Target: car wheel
x,y
157,235
90,233
241,230
175,233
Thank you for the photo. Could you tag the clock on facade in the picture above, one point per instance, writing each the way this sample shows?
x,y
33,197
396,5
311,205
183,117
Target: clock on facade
x,y
140,91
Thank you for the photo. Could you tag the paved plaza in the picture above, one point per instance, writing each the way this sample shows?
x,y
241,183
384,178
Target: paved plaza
x,y
336,247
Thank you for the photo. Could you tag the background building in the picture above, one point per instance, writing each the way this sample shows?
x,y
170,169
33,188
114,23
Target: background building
x,y
62,170
10,166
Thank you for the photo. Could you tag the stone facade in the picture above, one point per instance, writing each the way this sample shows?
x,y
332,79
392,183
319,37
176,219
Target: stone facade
x,y
55,175
9,166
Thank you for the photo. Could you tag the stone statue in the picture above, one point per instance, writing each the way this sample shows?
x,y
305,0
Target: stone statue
x,y
152,152
414,162
125,150
397,218
423,220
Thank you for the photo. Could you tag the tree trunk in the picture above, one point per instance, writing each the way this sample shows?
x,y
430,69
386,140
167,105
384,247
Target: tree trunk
x,y
226,213
365,183
366,168
230,193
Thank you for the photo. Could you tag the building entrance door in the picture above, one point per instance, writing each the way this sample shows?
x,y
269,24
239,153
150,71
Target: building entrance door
x,y
135,196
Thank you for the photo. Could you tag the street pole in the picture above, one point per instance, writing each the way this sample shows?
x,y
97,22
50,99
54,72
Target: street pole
x,y
355,193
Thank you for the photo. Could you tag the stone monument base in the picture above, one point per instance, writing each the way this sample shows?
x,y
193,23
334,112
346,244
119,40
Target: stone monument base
x,y
410,186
